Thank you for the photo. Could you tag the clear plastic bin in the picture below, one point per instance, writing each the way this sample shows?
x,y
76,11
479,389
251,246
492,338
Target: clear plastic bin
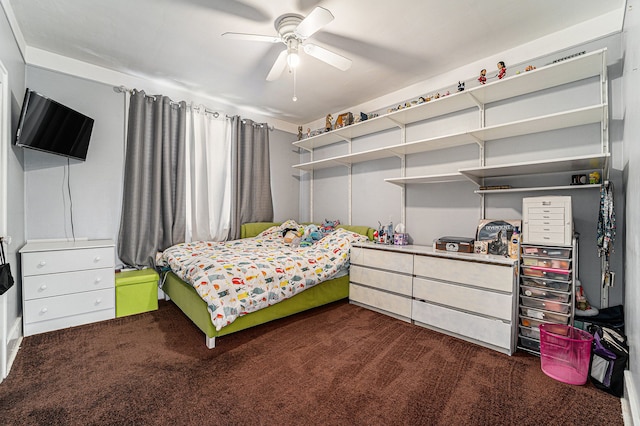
x,y
531,344
549,273
530,322
544,283
544,315
547,305
533,333
548,263
559,253
542,293
565,352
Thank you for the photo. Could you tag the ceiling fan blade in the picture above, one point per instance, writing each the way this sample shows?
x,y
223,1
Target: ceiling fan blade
x,y
279,65
328,56
252,37
318,18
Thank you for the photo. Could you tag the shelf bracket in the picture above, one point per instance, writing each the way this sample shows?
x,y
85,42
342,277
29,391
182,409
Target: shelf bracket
x,y
397,123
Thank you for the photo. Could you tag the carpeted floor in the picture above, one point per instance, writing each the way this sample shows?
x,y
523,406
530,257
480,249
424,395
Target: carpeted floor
x,y
335,365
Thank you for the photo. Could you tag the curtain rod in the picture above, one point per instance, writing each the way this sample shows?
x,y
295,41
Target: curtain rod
x,y
216,114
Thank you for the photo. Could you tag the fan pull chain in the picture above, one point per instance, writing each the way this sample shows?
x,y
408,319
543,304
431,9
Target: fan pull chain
x,y
295,98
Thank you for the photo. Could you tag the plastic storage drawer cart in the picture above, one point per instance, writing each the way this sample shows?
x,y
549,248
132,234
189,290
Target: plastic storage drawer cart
x,y
565,352
136,292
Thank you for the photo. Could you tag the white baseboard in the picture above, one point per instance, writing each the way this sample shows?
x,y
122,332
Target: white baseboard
x,y
14,339
631,401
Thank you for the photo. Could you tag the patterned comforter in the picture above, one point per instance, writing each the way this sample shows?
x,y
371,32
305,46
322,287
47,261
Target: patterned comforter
x,y
241,276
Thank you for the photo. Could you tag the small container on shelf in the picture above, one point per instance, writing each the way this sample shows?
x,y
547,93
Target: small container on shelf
x,y
545,294
547,305
530,322
528,343
546,262
544,283
555,252
546,316
531,332
540,272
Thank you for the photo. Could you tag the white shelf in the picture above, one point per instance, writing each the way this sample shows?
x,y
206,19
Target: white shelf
x,y
441,178
575,69
538,188
586,162
577,117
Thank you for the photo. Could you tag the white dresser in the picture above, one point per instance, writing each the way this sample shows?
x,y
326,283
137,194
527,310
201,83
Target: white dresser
x,y
470,296
67,283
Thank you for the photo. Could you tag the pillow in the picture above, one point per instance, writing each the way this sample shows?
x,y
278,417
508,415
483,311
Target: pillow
x,y
276,231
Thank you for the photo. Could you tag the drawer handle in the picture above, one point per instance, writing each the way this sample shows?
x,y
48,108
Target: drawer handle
x,y
42,263
98,280
98,301
44,310
43,287
97,259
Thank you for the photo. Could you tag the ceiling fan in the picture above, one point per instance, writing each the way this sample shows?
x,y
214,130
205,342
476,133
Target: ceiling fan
x,y
293,31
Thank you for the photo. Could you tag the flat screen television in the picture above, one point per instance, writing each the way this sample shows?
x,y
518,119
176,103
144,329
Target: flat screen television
x,y
46,125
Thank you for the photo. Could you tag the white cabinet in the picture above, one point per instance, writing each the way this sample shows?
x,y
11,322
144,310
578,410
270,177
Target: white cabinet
x,y
67,284
382,280
473,297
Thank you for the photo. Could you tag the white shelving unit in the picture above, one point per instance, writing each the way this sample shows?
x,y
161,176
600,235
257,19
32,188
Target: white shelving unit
x,y
584,66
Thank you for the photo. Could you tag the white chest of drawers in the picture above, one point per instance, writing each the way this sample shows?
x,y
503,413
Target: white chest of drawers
x,y
469,296
65,284
547,220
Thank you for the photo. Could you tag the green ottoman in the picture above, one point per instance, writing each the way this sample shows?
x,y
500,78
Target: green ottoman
x,y
136,292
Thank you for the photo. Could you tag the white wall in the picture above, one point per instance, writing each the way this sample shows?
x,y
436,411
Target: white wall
x,y
11,301
631,113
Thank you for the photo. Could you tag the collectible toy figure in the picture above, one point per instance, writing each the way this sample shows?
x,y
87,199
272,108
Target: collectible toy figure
x,y
483,76
327,124
460,86
502,70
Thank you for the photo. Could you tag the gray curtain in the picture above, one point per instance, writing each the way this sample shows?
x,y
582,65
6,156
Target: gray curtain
x,y
251,174
153,207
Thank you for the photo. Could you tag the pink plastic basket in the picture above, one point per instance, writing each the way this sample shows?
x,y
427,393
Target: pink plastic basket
x,y
565,352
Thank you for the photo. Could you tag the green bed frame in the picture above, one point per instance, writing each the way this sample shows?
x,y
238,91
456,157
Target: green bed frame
x,y
188,300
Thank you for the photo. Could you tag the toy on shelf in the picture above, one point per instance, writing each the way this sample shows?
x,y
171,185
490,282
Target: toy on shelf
x,y
483,76
502,70
300,133
384,234
327,124
460,86
308,132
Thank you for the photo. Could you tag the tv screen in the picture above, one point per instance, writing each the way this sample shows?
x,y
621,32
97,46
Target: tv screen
x,y
46,125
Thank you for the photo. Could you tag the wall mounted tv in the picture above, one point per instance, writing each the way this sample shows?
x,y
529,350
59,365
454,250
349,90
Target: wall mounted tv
x,y
46,125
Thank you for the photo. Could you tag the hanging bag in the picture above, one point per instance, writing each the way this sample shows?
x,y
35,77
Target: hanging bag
x,y
609,357
6,279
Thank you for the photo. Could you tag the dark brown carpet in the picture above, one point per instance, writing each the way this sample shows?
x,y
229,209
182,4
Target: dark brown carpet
x,y
335,365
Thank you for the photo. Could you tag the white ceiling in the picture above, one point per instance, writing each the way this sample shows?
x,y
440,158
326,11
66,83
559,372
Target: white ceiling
x,y
393,44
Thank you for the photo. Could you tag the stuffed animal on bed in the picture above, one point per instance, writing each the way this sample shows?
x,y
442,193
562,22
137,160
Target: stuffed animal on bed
x,y
328,226
310,236
292,235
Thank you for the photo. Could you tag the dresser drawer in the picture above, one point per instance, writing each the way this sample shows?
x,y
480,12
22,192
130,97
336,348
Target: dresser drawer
x,y
68,305
393,303
547,238
37,286
494,277
383,280
486,330
546,211
382,259
51,262
498,305
558,217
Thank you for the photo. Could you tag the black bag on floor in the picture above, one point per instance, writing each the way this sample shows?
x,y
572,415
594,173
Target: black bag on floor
x,y
609,358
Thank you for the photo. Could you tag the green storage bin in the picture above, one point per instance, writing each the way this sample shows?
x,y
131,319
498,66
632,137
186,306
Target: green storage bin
x,y
136,292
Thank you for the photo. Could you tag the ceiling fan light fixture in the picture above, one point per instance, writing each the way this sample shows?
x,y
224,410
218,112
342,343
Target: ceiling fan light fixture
x,y
293,58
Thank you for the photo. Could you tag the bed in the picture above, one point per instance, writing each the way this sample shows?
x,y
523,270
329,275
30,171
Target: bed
x,y
203,313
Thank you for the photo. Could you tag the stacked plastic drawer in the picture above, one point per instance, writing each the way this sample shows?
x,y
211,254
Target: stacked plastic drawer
x,y
546,288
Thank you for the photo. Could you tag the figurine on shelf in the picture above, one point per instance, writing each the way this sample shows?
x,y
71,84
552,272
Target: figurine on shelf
x,y
483,76
299,132
530,68
460,86
502,70
308,132
327,124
